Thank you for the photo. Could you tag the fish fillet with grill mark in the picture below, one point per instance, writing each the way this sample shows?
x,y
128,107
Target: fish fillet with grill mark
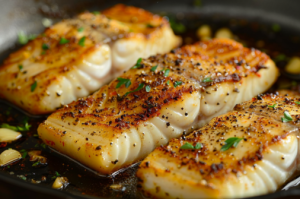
x,y
75,57
265,158
166,96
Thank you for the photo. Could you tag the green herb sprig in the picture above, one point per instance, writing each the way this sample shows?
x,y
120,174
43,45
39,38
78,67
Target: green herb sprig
x,y
138,64
16,128
124,81
233,141
286,117
188,145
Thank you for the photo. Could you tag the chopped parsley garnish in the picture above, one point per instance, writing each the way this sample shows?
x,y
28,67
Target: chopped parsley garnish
x,y
43,52
286,117
45,46
122,81
24,153
33,86
276,28
81,29
188,145
168,82
148,88
36,164
166,73
81,41
154,68
137,89
273,106
16,128
96,12
297,103
23,38
176,26
20,67
43,145
233,141
56,174
149,25
280,57
63,41
138,63
197,3
177,83
207,79
22,177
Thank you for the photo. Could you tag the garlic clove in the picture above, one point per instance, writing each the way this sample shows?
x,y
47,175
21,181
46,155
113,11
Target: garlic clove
x,y
224,33
293,66
204,32
60,183
8,135
9,156
35,156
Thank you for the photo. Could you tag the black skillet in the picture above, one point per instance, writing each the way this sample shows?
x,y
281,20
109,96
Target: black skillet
x,y
251,21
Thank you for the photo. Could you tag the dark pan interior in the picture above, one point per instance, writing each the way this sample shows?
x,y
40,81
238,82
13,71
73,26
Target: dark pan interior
x,y
20,15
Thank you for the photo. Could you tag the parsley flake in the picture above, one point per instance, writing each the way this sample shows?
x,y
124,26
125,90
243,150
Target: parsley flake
x,y
33,86
43,145
24,153
166,73
122,81
207,79
63,41
137,89
188,145
20,67
45,46
168,82
138,63
273,106
149,25
177,83
36,164
81,29
16,128
233,141
148,88
154,68
286,117
81,41
96,12
297,103
23,38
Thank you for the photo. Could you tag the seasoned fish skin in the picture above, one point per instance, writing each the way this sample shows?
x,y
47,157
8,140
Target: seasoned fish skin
x,y
64,67
265,159
128,126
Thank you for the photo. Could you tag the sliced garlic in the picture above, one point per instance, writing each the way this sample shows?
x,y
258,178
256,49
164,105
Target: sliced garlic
x,y
224,33
116,186
204,32
293,66
60,183
9,156
8,135
35,156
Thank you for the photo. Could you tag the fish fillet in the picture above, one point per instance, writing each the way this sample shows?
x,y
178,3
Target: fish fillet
x,y
265,158
166,96
77,56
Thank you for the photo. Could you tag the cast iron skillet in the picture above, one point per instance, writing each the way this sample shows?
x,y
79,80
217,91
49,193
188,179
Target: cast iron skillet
x,y
21,15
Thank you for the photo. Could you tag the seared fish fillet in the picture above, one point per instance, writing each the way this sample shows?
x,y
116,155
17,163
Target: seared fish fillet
x,y
264,159
289,93
75,57
158,99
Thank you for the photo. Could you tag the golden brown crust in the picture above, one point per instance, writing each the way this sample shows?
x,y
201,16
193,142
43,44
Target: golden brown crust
x,y
48,66
113,109
209,164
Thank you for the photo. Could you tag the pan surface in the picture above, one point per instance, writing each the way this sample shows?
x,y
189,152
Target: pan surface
x,y
252,21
